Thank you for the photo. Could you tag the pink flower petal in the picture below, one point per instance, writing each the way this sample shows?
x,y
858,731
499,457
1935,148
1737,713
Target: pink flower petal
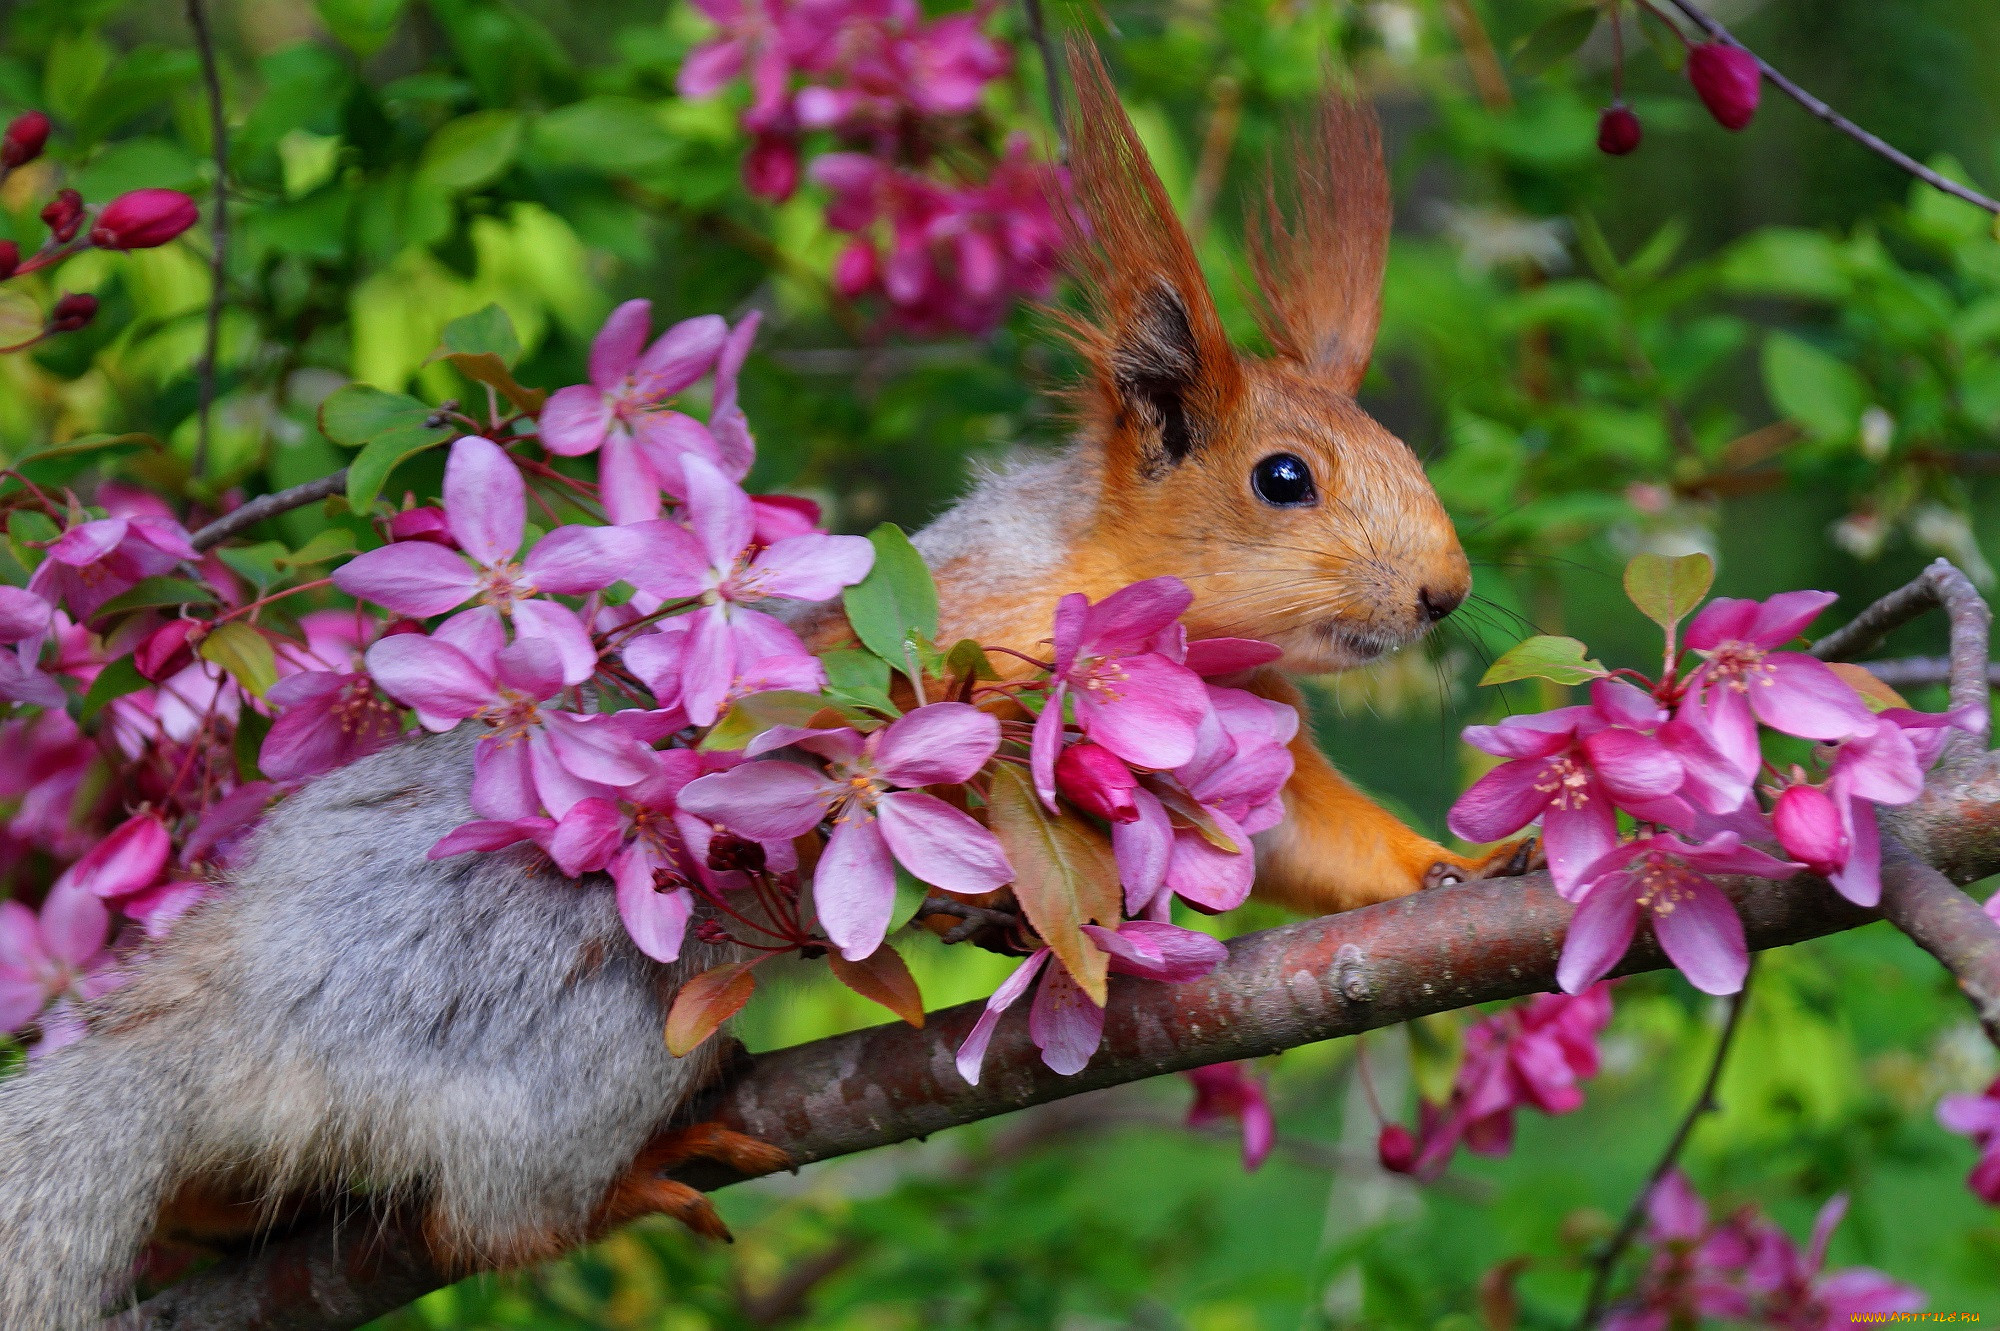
x,y
432,676
410,577
1538,735
664,438
88,542
558,627
811,568
766,800
1633,766
1151,716
628,485
1575,838
657,919
1785,616
941,845
1206,875
1502,802
1154,951
1724,619
1860,879
531,667
1143,848
75,922
503,781
718,512
571,561
22,614
973,1052
1125,620
1802,696
708,668
670,564
485,501
942,744
683,354
1599,934
854,887
1701,934
1064,1024
1045,745
1227,656
587,836
574,420
615,349
594,749
130,859
489,835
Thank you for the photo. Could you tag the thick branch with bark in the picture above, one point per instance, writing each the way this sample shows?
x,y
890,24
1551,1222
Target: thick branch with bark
x,y
1341,975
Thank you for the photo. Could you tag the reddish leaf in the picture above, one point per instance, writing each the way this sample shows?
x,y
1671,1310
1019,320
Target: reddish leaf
x,y
883,978
705,1002
1065,874
1873,691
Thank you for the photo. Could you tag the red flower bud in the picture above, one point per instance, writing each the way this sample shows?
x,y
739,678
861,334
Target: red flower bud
x,y
854,272
1396,1149
24,140
167,651
1617,130
1728,81
64,214
1097,781
10,259
421,524
143,219
771,167
72,312
1808,826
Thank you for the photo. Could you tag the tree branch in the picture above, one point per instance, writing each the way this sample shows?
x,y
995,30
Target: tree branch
x,y
1432,952
1822,111
1914,672
268,506
1948,924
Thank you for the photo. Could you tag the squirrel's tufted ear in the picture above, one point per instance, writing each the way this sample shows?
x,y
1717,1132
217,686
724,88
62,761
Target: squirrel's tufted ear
x,y
1165,373
1321,276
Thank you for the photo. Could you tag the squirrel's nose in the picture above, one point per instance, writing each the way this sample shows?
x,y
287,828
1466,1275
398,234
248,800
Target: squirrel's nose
x,y
1436,605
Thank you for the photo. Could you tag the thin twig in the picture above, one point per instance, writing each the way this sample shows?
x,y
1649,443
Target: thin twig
x,y
1606,1261
268,506
218,228
1051,74
1822,111
1911,672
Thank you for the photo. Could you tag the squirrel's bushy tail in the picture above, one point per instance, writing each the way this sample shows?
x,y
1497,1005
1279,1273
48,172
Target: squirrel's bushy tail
x,y
87,1153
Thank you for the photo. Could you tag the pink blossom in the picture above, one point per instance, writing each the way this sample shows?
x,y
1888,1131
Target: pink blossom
x,y
621,414
1572,768
1535,1055
1978,1117
1884,764
1696,1271
656,659
1664,878
1091,777
1808,825
1225,1091
1140,705
486,508
327,718
127,862
143,219
717,563
96,560
535,757
869,789
1063,1021
1743,680
56,956
24,619
1797,1294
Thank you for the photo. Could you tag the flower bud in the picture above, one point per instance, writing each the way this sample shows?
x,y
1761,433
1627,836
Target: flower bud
x,y
771,167
422,524
1097,781
143,219
1808,826
63,215
72,312
1396,1148
27,134
1727,80
854,272
1618,130
167,651
10,259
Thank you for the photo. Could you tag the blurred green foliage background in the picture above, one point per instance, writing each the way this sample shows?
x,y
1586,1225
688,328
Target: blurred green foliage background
x,y
1765,345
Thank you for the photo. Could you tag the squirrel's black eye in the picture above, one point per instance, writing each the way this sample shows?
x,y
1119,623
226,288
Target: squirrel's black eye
x,y
1284,480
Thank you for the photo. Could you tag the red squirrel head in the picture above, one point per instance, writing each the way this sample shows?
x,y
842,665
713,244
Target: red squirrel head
x,y
1293,515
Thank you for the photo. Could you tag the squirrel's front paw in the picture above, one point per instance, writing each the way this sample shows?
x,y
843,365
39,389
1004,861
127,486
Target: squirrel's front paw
x,y
1510,860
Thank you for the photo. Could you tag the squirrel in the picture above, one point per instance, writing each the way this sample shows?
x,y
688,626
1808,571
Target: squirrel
x,y
477,1042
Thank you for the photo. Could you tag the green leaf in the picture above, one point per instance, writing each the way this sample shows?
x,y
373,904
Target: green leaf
x,y
470,151
114,681
1821,393
487,368
381,456
1064,874
1667,587
27,532
245,653
1554,40
257,564
860,679
967,657
750,717
895,607
57,463
486,330
1665,41
911,893
330,543
356,414
705,1002
251,728
154,593
363,26
1545,657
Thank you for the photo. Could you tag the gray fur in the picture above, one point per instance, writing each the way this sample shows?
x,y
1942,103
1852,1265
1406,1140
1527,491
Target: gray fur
x,y
477,1035
1021,519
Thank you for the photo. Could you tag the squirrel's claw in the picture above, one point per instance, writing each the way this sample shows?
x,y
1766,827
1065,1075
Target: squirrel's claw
x,y
1507,861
